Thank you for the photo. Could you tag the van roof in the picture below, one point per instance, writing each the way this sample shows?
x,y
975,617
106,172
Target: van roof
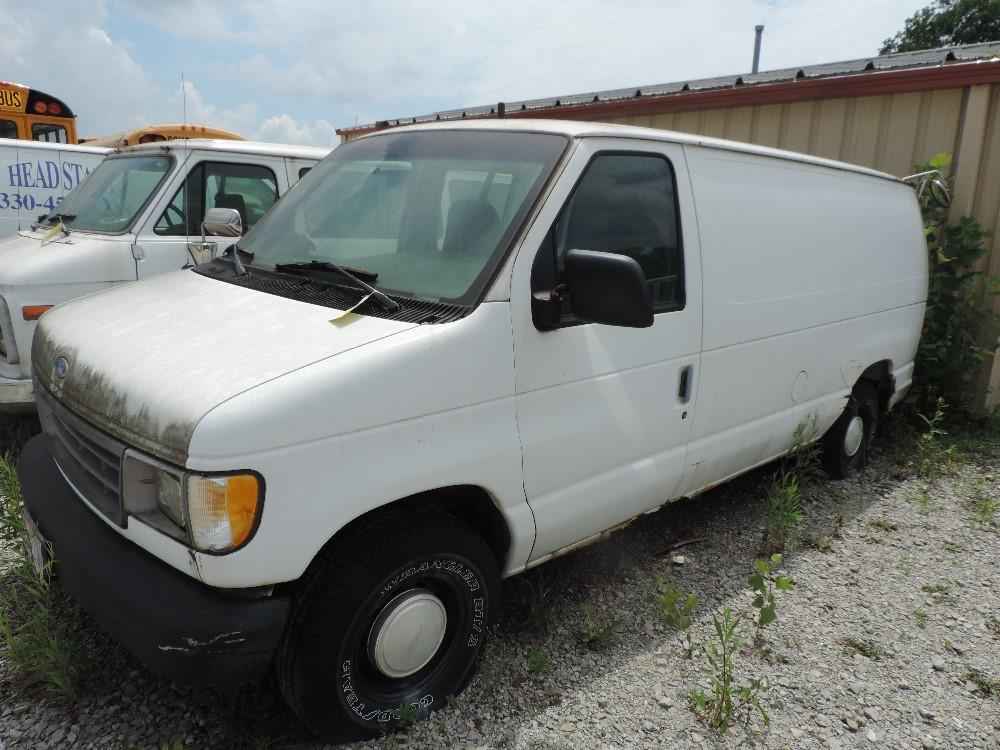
x,y
242,147
582,129
47,146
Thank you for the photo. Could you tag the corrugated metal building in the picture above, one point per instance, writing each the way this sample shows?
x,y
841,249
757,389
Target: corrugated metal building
x,y
887,112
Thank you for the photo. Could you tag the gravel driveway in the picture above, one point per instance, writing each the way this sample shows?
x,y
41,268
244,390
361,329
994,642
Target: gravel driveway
x,y
913,579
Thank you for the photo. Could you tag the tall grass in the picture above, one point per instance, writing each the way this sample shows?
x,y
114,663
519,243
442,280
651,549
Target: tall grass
x,y
35,639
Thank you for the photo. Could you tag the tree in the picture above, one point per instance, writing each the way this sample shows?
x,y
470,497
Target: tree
x,y
944,23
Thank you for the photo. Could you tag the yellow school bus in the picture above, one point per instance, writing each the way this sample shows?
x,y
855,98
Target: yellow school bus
x,y
33,115
153,133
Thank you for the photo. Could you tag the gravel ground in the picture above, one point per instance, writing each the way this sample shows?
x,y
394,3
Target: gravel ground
x,y
872,554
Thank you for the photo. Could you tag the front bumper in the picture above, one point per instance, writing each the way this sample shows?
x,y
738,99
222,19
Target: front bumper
x,y
16,396
177,626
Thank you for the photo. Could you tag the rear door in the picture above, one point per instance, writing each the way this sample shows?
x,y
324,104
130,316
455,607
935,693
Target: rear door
x,y
171,237
604,412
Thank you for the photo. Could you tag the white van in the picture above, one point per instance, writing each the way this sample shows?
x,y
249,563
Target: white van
x,y
138,216
553,328
36,176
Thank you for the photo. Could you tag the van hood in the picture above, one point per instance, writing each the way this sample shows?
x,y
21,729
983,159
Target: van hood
x,y
78,258
146,362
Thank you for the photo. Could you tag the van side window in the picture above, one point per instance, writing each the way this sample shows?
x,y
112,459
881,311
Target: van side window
x,y
625,203
249,188
8,129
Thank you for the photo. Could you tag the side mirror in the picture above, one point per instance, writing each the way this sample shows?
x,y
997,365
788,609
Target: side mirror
x,y
608,288
222,222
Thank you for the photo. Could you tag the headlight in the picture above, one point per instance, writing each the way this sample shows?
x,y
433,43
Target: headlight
x,y
215,513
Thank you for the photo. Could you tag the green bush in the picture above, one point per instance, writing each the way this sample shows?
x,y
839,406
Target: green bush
x,y
958,316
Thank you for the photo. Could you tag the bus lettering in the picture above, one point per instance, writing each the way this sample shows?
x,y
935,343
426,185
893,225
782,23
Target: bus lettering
x,y
11,99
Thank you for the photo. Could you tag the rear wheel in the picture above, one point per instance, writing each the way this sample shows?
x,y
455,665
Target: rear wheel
x,y
846,443
388,625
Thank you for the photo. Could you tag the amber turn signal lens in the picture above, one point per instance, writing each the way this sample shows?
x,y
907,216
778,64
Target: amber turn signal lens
x,y
34,312
222,510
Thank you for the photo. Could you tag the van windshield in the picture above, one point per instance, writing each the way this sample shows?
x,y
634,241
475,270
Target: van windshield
x,y
109,199
425,214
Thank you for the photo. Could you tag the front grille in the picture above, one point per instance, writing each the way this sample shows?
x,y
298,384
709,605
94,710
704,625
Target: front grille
x,y
90,459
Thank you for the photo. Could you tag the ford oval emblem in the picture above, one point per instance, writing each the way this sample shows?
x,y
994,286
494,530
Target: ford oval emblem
x,y
62,367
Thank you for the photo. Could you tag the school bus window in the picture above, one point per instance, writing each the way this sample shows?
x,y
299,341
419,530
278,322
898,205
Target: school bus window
x,y
44,131
8,129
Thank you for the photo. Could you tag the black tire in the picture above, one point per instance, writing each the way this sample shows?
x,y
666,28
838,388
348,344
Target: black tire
x,y
839,462
325,669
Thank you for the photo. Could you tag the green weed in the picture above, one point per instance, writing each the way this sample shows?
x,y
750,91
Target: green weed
x,y
539,661
764,583
37,642
883,524
863,646
676,610
726,700
985,684
595,634
935,588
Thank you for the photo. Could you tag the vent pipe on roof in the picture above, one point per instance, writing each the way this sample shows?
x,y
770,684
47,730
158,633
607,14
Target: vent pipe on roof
x,y
759,28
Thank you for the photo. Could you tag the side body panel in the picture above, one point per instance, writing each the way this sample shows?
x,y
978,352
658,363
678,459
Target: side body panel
x,y
34,178
811,276
601,422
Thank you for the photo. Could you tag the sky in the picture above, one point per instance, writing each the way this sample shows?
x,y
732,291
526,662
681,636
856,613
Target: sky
x,y
293,71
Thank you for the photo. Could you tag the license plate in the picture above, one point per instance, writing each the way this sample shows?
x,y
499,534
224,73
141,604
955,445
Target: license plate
x,y
38,545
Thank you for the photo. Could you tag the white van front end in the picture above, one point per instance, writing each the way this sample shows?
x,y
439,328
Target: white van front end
x,y
136,216
36,274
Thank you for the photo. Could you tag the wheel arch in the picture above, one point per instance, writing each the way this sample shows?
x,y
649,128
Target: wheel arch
x,y
880,375
470,504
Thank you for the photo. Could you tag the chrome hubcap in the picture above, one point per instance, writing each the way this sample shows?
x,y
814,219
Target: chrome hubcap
x,y
407,633
854,436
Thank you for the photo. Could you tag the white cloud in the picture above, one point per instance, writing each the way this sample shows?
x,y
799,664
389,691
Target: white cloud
x,y
76,60
186,98
285,129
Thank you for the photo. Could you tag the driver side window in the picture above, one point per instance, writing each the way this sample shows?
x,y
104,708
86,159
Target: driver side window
x,y
625,203
248,188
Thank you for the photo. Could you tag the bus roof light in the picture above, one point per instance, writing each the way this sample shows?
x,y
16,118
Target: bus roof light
x,y
54,108
40,107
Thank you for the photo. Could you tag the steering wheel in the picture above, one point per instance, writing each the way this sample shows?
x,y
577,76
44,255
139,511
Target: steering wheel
x,y
170,221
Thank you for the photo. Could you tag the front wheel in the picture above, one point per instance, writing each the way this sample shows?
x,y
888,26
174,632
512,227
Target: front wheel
x,y
846,443
388,625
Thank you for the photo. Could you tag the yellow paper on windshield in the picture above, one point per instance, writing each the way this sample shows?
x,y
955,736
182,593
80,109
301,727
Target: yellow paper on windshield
x,y
52,233
348,315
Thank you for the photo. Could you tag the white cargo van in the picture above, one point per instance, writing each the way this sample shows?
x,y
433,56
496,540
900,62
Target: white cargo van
x,y
36,176
138,216
552,328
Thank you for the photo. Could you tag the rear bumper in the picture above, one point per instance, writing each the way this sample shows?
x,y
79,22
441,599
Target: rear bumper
x,y
180,628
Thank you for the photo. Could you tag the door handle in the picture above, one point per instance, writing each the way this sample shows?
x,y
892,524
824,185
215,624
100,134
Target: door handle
x,y
684,386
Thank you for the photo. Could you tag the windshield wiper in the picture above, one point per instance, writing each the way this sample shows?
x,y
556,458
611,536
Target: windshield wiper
x,y
304,267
